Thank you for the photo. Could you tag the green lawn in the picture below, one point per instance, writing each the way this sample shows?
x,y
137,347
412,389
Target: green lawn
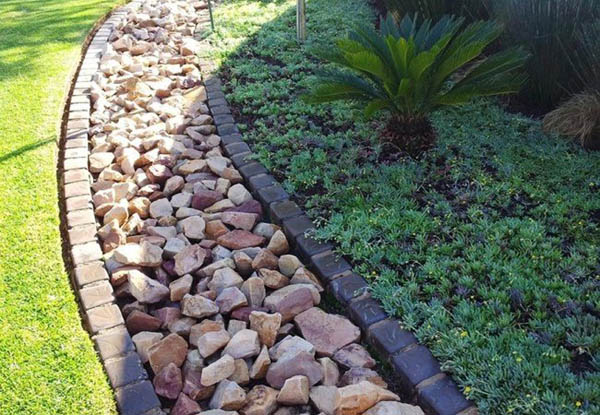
x,y
487,247
47,361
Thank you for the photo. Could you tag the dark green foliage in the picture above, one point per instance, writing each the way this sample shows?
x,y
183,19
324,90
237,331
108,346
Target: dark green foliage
x,y
585,59
435,9
548,29
404,69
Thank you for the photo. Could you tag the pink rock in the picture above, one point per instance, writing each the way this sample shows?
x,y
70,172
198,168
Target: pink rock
x,y
171,349
194,388
158,173
301,363
240,220
327,332
168,382
185,406
251,206
243,313
289,302
205,198
354,355
239,239
139,321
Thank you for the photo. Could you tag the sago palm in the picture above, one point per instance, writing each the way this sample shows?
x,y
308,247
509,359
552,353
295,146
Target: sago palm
x,y
412,69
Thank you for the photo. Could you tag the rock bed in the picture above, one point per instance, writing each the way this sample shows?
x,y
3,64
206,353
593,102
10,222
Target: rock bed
x,y
225,319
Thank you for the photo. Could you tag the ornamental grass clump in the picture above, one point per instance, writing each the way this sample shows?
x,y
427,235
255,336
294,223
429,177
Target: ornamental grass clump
x,y
413,68
578,118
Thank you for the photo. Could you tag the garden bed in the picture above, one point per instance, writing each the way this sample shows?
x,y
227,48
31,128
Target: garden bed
x,y
486,246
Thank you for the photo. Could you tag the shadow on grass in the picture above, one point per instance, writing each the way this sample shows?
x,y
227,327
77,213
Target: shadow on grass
x,y
28,28
25,149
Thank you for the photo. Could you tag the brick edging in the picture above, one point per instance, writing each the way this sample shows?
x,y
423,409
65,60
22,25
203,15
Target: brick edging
x,y
419,372
134,393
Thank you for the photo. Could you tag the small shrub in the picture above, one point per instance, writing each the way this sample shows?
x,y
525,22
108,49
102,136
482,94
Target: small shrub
x,y
578,118
405,70
548,30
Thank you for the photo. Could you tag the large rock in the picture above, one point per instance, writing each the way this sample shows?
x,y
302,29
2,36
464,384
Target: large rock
x,y
325,398
230,299
354,355
291,300
193,227
327,332
331,372
254,290
356,399
185,406
290,346
360,374
261,400
238,194
240,220
213,341
225,278
301,363
243,344
198,306
261,364
189,260
171,349
228,395
143,255
143,341
217,371
160,208
266,325
205,198
394,408
278,243
294,391
145,289
240,239
168,382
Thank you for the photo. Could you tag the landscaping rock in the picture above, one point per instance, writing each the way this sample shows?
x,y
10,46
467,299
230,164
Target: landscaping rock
x,y
301,363
198,306
145,289
354,355
143,255
228,396
171,349
261,400
168,382
327,332
217,371
356,399
266,325
295,391
243,344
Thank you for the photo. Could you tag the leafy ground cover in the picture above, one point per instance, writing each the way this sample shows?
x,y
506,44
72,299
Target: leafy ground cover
x,y
487,246
47,361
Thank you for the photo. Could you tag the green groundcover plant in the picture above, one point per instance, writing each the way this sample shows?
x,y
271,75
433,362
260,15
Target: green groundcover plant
x,y
406,67
487,247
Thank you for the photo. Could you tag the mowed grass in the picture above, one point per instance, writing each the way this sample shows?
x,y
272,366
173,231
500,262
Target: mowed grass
x,y
47,361
487,247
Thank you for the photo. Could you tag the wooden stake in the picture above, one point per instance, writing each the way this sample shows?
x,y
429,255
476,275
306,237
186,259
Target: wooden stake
x,y
301,20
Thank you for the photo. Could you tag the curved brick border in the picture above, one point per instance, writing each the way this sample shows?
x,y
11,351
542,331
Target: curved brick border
x,y
134,394
418,371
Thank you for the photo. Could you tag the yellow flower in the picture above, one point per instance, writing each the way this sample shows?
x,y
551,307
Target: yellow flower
x,y
464,334
578,404
467,389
